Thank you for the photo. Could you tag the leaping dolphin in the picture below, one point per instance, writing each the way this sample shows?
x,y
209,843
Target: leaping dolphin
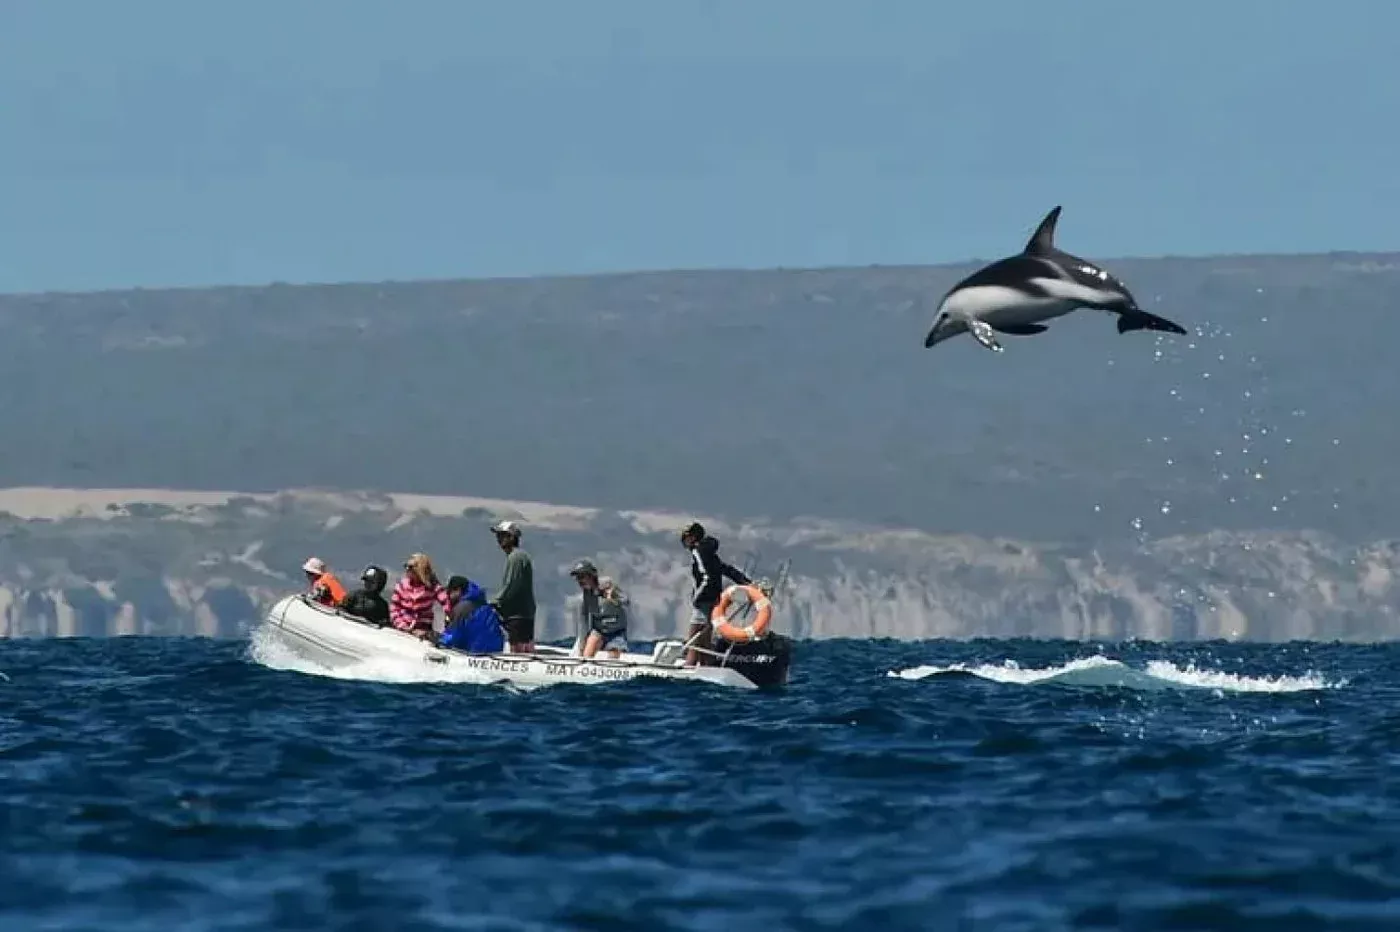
x,y
1013,295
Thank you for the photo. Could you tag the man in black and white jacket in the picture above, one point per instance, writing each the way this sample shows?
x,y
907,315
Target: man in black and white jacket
x,y
708,570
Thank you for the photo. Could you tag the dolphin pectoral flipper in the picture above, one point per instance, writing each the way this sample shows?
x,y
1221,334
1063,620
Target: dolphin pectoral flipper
x,y
1021,330
1141,320
984,334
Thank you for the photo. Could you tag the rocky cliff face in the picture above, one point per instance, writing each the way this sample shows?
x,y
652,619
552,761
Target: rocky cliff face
x,y
90,563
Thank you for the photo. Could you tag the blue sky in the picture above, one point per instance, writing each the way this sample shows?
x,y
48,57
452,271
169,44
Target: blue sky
x,y
180,143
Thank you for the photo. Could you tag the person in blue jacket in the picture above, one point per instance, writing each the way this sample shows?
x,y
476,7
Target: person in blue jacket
x,y
473,626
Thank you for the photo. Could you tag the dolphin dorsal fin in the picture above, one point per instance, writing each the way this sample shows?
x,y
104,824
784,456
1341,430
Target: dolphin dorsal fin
x,y
1043,239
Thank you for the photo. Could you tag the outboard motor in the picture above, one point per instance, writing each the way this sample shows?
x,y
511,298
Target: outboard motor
x,y
764,662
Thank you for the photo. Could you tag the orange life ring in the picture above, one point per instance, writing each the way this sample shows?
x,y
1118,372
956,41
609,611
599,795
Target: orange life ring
x,y
751,632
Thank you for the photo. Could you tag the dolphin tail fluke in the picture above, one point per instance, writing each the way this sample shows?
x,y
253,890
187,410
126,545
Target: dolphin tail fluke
x,y
1141,320
1042,241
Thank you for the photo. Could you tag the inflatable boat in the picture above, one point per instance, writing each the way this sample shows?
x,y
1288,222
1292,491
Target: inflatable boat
x,y
331,638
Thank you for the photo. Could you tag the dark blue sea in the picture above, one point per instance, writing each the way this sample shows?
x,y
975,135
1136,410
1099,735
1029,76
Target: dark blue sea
x,y
160,784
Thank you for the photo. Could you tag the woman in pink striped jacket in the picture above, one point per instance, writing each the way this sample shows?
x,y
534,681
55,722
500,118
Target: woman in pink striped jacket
x,y
411,605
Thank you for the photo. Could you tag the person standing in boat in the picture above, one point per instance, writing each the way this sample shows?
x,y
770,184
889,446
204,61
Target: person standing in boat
x,y
322,586
411,604
603,614
367,602
473,625
708,570
516,600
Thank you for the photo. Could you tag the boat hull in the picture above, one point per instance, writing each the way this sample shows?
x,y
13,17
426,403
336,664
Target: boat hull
x,y
332,639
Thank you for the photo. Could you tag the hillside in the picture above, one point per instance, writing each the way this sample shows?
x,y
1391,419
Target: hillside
x,y
1236,482
764,394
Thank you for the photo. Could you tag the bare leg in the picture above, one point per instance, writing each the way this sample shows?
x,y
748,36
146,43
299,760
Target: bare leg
x,y
692,656
591,645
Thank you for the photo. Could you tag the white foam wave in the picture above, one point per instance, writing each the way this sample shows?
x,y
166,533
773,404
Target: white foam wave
x,y
275,655
1099,670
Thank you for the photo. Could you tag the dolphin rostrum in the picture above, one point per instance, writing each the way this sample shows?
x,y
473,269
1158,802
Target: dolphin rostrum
x,y
1014,295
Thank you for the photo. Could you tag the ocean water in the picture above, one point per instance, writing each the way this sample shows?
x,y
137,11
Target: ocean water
x,y
156,784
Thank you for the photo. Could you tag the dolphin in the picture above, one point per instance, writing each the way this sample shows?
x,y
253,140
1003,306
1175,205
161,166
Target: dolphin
x,y
1016,294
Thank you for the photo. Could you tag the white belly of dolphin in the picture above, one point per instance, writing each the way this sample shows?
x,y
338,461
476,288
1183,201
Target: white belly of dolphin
x,y
1000,305
1029,311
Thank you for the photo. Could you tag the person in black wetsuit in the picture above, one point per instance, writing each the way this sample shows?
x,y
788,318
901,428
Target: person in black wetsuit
x,y
366,601
708,570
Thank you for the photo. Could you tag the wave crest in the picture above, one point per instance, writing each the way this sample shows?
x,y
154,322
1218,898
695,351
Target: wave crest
x,y
1099,670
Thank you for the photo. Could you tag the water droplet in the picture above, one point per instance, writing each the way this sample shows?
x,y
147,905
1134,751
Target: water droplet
x,y
1166,508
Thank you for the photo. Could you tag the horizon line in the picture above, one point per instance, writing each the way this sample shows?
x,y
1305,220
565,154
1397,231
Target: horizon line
x,y
658,271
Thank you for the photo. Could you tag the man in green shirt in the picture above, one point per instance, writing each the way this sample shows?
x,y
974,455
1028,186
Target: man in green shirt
x,y
515,600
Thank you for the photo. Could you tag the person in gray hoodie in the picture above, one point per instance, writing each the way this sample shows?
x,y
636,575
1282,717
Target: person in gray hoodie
x,y
603,613
515,601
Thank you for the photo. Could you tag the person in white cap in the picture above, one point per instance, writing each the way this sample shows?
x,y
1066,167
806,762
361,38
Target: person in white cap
x,y
321,583
515,601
